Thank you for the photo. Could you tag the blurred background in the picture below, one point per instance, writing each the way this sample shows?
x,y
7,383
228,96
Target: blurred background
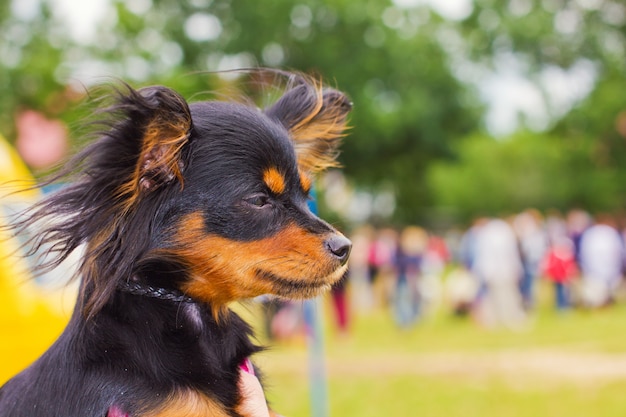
x,y
483,185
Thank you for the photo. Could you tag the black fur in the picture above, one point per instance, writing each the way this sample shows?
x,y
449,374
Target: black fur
x,y
132,354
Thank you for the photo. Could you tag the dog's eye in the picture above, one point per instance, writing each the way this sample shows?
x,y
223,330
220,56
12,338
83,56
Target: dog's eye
x,y
257,200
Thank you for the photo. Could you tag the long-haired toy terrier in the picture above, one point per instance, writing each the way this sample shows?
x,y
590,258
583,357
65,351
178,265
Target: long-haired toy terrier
x,y
181,209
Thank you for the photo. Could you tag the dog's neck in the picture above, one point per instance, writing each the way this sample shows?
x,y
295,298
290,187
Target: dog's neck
x,y
150,332
187,305
137,288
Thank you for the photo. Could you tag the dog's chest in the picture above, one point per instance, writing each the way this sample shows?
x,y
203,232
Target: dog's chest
x,y
189,403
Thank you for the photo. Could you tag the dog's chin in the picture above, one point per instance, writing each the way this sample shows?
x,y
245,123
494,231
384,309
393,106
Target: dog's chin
x,y
298,289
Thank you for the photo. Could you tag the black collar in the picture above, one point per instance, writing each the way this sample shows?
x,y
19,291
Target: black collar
x,y
137,288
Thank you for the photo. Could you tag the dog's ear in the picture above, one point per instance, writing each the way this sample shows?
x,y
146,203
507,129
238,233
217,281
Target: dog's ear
x,y
316,120
164,122
165,134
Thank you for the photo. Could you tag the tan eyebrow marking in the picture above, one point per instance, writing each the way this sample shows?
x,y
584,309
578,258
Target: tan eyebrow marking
x,y
274,180
305,182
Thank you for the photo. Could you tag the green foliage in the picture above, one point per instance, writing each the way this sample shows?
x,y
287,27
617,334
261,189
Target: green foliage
x,y
527,170
413,77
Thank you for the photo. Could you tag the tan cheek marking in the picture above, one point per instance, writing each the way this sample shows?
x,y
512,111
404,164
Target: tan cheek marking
x,y
224,270
274,180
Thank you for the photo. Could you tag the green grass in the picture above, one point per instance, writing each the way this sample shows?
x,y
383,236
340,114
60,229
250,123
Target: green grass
x,y
435,397
380,370
581,330
444,366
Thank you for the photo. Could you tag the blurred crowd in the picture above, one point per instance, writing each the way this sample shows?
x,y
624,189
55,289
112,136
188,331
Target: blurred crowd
x,y
490,271
496,271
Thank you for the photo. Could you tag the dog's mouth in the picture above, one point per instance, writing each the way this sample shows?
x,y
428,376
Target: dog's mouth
x,y
298,288
292,263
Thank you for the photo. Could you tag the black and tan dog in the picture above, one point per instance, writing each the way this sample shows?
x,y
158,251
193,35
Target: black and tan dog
x,y
181,209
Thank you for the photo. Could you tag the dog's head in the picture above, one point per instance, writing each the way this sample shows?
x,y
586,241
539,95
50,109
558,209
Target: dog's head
x,y
240,224
209,198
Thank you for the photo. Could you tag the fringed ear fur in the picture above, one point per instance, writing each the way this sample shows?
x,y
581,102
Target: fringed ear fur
x,y
137,150
166,130
153,127
316,120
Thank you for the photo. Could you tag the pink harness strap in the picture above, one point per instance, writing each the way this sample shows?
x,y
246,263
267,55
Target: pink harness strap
x,y
246,365
116,412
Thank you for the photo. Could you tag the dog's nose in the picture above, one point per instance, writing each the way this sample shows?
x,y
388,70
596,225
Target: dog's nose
x,y
340,247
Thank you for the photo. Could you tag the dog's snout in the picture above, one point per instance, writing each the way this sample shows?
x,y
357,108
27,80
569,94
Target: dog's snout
x,y
340,247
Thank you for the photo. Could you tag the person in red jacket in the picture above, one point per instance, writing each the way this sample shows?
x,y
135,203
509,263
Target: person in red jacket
x,y
559,266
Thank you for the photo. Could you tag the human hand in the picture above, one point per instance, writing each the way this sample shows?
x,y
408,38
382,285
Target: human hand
x,y
253,403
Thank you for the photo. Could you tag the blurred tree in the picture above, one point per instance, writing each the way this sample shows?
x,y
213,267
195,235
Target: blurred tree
x,y
414,72
527,170
408,106
574,55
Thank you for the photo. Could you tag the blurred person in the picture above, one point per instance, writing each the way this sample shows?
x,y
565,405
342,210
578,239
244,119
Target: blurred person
x,y
435,259
453,238
556,226
408,259
467,256
601,262
498,265
374,258
436,255
467,245
287,323
41,142
577,222
559,267
341,310
533,244
461,288
381,265
359,269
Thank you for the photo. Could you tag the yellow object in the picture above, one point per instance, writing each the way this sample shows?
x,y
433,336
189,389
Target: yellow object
x,y
31,317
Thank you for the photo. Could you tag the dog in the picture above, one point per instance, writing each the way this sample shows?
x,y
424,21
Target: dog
x,y
181,209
